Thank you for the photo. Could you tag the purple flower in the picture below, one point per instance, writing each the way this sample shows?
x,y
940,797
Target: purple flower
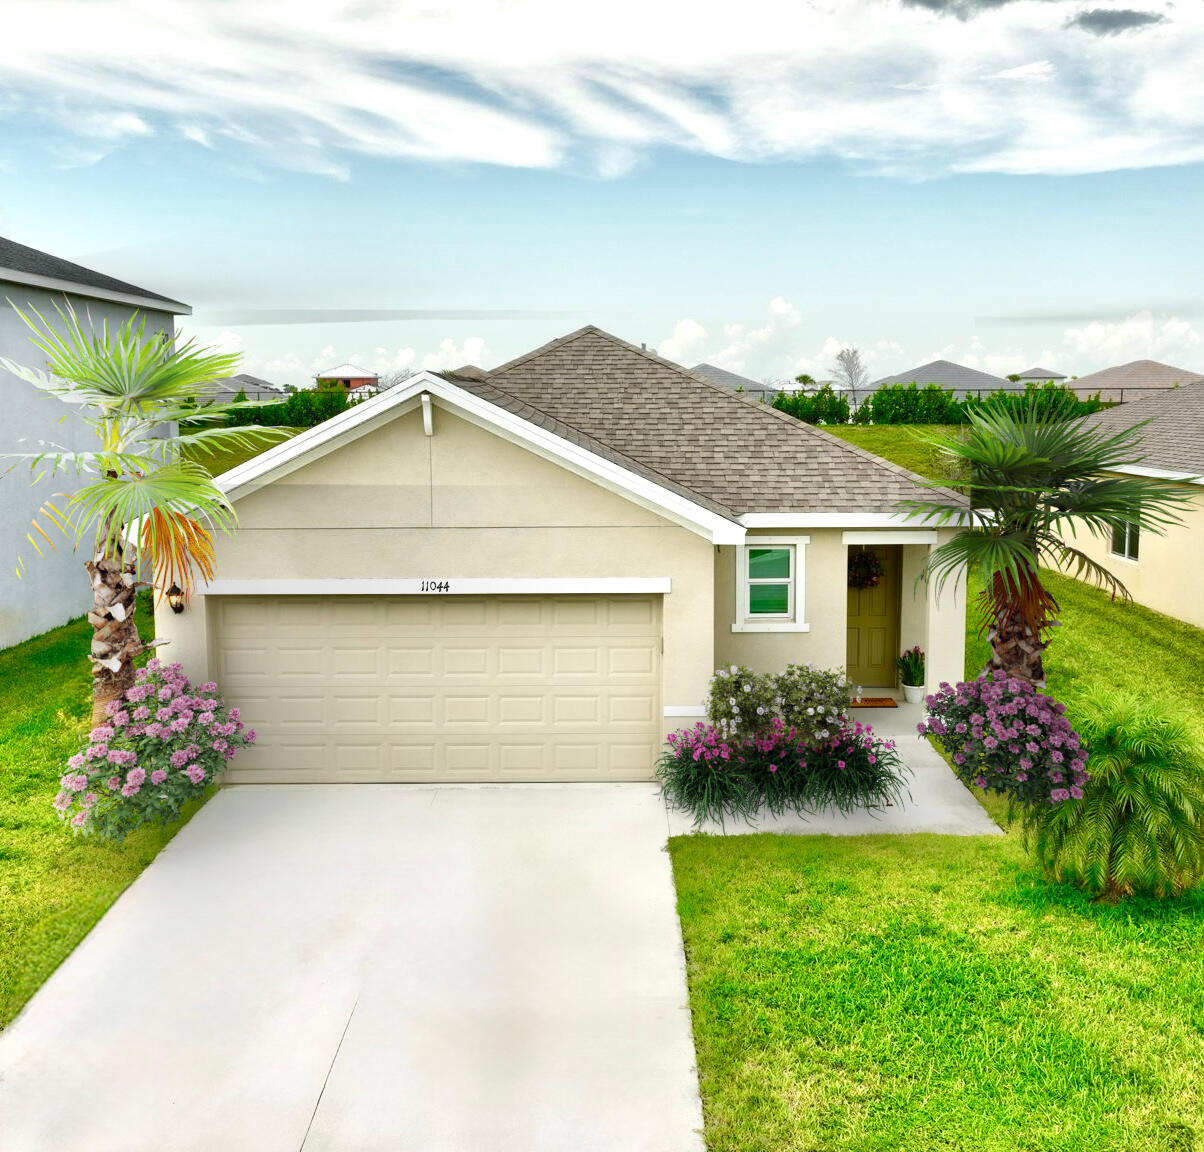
x,y
1058,795
158,776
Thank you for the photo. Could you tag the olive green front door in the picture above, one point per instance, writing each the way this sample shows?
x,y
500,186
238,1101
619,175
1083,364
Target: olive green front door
x,y
873,637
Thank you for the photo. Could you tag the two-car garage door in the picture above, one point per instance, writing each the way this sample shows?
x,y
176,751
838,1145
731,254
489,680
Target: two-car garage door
x,y
454,688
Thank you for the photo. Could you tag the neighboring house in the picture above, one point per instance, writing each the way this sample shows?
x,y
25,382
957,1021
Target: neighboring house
x,y
226,389
532,573
354,379
55,585
1132,381
962,380
737,383
1163,572
1039,376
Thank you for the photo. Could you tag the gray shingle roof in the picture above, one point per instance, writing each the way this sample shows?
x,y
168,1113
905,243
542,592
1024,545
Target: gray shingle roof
x,y
227,387
1040,375
16,257
949,375
735,381
1174,437
1131,381
721,448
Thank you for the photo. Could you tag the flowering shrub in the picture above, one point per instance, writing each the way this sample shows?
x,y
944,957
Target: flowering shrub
x,y
742,703
1004,736
713,776
813,701
911,667
164,744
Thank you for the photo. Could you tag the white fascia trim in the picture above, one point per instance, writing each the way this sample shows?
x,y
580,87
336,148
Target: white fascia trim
x,y
889,537
1161,474
620,585
53,284
685,710
349,425
842,520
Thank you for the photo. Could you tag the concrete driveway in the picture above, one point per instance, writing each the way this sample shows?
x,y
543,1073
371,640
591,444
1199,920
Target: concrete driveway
x,y
368,967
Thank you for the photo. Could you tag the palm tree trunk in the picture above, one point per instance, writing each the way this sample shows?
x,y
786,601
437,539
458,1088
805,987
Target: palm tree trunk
x,y
115,640
1016,652
1017,614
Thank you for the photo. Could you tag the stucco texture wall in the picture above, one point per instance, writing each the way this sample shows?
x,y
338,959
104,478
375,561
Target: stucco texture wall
x,y
55,586
1168,574
935,623
461,504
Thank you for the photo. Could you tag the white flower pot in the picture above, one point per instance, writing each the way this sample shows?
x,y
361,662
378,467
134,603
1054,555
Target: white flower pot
x,y
913,693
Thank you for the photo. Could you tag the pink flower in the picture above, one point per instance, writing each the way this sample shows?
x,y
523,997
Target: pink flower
x,y
235,713
839,763
165,693
113,783
77,821
205,719
76,761
63,801
208,687
89,799
158,776
76,783
142,713
195,773
180,758
131,789
136,776
102,734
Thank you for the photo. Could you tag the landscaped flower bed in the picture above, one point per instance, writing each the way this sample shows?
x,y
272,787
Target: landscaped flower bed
x,y
775,744
165,744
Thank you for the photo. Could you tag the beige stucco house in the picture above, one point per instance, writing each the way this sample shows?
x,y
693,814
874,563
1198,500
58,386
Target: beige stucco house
x,y
1164,572
532,573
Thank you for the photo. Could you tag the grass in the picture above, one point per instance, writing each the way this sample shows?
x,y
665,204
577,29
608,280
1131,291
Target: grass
x,y
223,460
874,993
901,444
1112,645
53,886
879,993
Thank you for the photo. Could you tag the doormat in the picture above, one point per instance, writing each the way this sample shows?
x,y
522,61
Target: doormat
x,y
875,702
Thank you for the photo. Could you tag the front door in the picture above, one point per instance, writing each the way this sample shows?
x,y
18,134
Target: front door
x,y
873,637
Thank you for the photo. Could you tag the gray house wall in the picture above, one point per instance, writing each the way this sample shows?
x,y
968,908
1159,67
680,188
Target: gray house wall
x,y
55,586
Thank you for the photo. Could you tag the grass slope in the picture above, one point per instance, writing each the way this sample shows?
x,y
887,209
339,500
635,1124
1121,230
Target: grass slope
x,y
911,993
901,444
217,462
53,886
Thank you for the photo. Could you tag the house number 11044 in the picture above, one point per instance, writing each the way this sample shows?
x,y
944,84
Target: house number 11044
x,y
435,586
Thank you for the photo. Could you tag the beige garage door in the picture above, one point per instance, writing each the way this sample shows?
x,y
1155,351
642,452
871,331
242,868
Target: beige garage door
x,y
363,688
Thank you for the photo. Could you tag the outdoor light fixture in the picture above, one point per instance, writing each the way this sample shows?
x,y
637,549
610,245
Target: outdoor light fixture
x,y
175,597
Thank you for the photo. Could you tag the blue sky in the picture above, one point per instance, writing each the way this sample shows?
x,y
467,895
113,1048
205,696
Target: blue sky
x,y
1000,182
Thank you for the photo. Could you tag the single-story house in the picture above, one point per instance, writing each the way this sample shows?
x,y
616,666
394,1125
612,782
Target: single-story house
x,y
225,390
962,380
1132,381
1039,376
532,573
1163,572
55,586
764,392
352,377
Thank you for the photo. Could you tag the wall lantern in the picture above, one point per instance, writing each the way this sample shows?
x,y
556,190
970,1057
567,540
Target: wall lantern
x,y
175,597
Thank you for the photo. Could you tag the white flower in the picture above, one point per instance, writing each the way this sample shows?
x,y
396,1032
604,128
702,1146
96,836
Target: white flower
x,y
760,711
721,674
732,701
747,687
821,708
810,711
735,669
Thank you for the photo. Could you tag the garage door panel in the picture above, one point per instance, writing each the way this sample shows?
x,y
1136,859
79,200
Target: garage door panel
x,y
415,689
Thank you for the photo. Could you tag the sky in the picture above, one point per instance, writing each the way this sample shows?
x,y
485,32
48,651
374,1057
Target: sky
x,y
1004,183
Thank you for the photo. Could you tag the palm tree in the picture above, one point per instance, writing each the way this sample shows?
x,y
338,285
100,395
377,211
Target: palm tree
x,y
1034,481
147,508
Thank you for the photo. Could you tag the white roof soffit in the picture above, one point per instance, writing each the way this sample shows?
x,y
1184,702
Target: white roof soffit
x,y
1161,474
843,520
386,406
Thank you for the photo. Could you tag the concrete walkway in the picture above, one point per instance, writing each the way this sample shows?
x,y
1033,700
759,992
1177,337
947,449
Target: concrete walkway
x,y
939,802
362,967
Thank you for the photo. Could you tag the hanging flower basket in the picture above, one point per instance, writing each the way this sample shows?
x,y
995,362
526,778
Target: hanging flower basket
x,y
865,570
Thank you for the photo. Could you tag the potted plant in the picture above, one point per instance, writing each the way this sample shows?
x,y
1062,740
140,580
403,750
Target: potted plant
x,y
911,672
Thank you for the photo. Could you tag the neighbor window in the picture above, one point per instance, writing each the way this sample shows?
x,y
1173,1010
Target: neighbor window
x,y
768,585
1124,540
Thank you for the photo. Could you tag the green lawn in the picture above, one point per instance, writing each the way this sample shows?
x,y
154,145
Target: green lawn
x,y
875,993
908,993
53,886
901,444
222,461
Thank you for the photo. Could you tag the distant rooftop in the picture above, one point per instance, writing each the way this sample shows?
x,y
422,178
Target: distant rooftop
x,y
226,388
735,381
1040,375
1131,381
947,374
346,372
20,264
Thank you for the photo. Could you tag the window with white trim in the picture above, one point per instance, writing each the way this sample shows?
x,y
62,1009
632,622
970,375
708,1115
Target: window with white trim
x,y
1124,541
769,585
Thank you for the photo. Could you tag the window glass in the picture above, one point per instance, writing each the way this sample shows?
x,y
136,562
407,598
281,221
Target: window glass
x,y
1132,550
769,563
768,599
1118,539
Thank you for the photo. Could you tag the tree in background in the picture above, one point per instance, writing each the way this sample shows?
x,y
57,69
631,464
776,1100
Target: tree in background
x,y
146,511
1033,482
825,407
392,379
849,370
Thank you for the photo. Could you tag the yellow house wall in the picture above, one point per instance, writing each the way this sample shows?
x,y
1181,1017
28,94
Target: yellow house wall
x,y
1168,574
463,504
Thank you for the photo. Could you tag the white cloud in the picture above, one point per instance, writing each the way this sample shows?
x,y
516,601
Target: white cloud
x,y
686,343
526,83
448,355
1137,337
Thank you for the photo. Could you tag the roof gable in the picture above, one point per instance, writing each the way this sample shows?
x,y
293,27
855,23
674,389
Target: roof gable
x,y
347,372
